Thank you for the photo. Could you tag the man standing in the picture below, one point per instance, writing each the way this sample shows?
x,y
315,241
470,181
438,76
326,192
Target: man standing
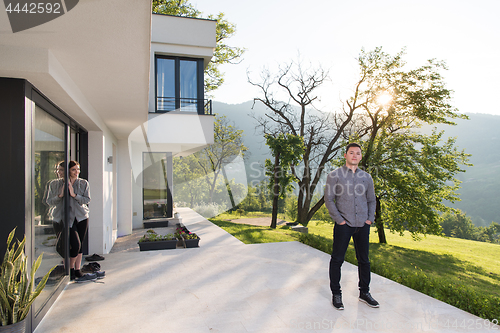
x,y
350,200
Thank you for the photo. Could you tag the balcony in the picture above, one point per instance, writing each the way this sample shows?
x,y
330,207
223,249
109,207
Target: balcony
x,y
194,105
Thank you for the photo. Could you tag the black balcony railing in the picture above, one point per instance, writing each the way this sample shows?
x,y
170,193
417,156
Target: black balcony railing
x,y
200,106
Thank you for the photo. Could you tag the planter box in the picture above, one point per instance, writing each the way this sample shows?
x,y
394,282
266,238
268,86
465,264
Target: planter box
x,y
180,243
155,223
158,245
192,242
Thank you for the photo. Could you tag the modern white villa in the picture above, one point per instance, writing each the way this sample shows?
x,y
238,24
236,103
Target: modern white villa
x,y
114,87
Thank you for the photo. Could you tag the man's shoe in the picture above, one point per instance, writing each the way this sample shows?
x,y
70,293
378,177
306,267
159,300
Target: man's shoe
x,y
368,299
337,302
86,278
100,274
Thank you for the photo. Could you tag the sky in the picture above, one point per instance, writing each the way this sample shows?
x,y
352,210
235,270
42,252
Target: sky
x,y
331,33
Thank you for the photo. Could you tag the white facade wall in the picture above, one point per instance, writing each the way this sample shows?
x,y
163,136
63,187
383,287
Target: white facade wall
x,y
124,200
100,233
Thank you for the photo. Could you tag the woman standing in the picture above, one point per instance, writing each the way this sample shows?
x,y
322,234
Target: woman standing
x,y
79,192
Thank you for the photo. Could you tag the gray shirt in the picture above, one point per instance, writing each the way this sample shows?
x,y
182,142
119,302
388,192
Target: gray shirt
x,y
350,196
78,208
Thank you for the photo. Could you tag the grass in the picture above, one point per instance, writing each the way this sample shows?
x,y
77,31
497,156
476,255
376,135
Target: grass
x,y
463,273
475,263
250,234
246,215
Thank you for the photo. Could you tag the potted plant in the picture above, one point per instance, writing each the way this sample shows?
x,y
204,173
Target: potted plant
x,y
176,213
191,239
16,286
153,241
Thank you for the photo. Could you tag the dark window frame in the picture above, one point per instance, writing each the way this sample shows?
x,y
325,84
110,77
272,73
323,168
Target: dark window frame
x,y
200,89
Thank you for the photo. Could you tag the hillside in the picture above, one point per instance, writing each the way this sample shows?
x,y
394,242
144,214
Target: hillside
x,y
478,136
480,192
240,114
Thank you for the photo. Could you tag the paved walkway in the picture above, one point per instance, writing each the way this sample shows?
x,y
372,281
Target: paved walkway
x,y
227,286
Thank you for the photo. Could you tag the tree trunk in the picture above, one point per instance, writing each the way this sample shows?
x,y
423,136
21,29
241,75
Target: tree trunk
x,y
276,191
303,203
233,205
302,216
379,223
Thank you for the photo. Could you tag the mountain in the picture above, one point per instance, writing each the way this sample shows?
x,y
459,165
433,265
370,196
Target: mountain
x,y
257,153
478,136
480,188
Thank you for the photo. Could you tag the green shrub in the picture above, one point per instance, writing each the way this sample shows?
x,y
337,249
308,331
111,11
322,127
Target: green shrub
x,y
291,207
322,214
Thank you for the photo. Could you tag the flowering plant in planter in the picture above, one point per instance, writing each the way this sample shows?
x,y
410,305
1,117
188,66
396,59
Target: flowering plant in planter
x,y
190,235
152,236
178,233
152,241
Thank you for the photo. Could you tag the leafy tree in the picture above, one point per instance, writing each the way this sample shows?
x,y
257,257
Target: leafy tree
x,y
291,206
251,201
490,234
223,54
189,183
264,195
459,225
413,173
196,177
287,151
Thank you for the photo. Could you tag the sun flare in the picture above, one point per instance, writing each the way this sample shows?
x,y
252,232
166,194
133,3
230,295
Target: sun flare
x,y
384,99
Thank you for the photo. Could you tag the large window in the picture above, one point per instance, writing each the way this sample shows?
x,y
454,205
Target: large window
x,y
157,196
49,160
179,84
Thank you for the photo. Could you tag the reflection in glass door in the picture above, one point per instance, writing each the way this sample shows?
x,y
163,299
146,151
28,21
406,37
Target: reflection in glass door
x,y
155,186
49,160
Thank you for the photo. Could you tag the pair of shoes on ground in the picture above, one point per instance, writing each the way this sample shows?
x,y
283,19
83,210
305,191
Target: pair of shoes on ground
x,y
94,257
90,277
363,297
91,267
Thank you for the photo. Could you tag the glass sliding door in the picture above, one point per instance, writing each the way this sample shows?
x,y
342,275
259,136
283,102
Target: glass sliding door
x,y
156,194
49,173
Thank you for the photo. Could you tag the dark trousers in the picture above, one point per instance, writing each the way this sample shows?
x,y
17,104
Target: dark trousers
x,y
77,234
341,236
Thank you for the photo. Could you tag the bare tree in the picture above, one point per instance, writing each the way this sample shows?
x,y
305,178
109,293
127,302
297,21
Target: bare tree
x,y
228,144
290,95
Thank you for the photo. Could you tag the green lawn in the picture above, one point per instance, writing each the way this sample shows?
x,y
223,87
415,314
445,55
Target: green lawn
x,y
250,234
474,263
460,272
246,215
